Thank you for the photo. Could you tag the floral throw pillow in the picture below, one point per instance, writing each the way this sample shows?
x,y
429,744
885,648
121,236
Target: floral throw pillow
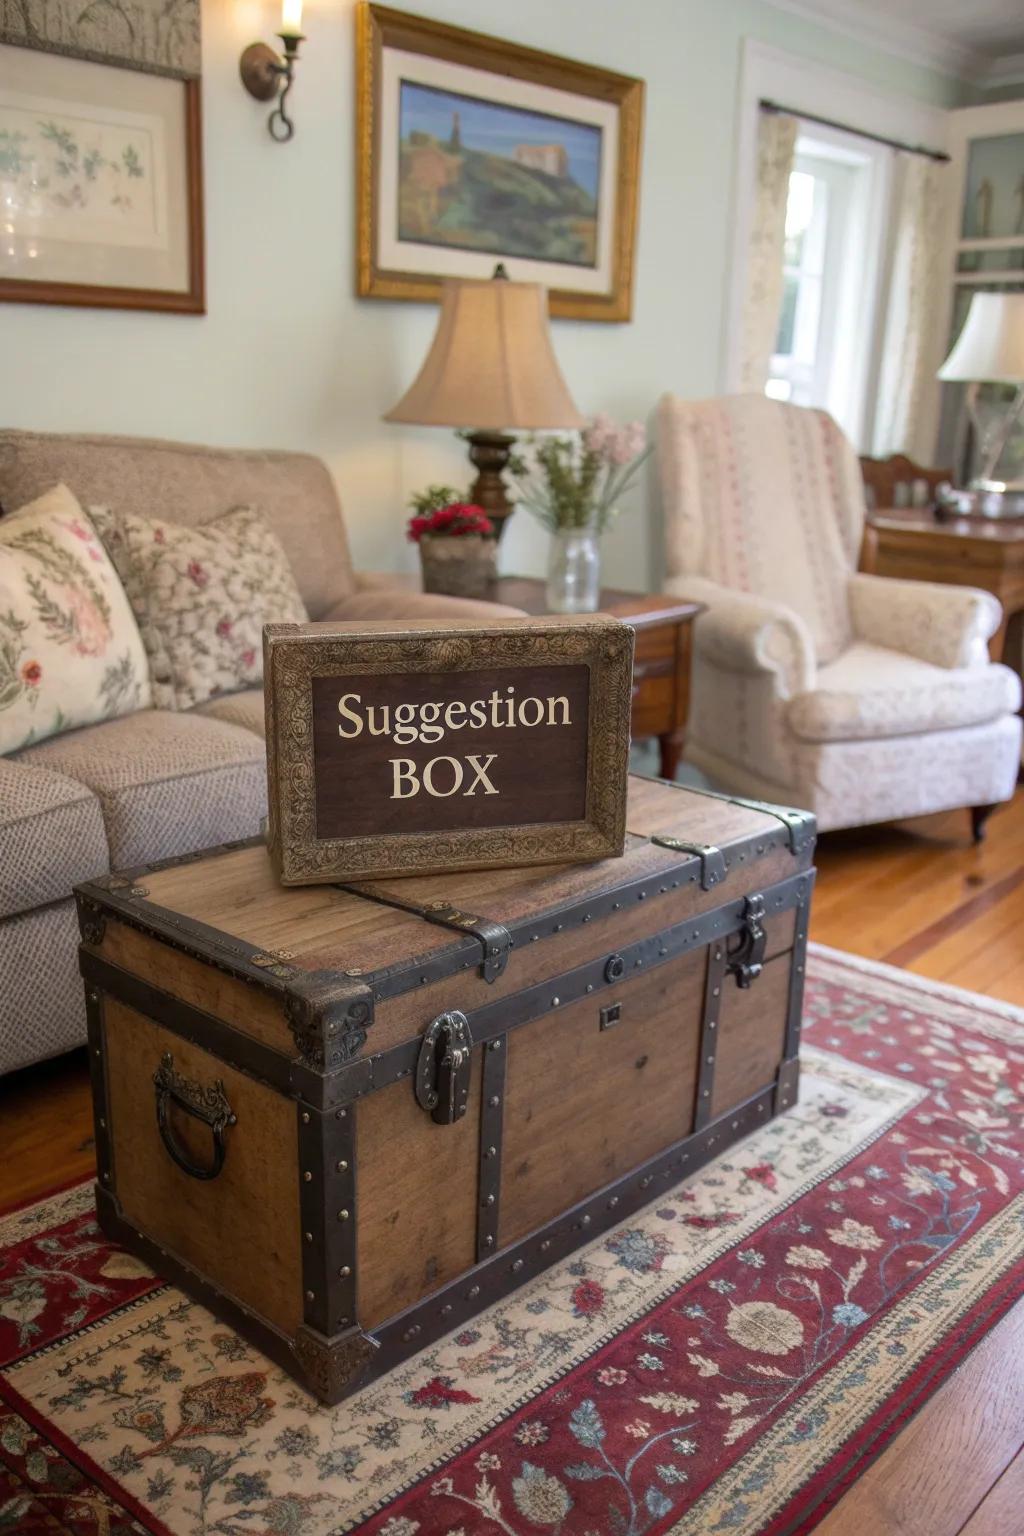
x,y
201,597
70,650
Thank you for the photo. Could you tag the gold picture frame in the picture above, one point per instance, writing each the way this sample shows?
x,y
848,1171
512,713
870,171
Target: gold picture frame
x,y
295,655
392,265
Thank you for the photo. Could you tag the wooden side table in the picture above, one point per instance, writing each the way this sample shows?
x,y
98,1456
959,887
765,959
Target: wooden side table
x,y
913,543
661,668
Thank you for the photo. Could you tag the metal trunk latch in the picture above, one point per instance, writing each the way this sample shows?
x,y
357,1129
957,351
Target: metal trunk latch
x,y
443,1068
746,959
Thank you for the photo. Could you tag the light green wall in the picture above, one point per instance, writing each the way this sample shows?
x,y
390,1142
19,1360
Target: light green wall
x,y
288,357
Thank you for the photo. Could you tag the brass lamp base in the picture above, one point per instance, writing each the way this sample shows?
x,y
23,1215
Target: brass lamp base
x,y
489,453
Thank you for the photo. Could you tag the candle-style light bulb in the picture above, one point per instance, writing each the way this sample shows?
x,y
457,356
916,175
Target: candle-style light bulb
x,y
291,18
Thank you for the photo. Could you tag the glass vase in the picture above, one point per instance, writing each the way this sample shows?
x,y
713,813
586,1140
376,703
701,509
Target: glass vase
x,y
574,571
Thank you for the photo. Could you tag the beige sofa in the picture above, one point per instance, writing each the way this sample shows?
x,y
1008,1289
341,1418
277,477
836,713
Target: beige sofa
x,y
155,784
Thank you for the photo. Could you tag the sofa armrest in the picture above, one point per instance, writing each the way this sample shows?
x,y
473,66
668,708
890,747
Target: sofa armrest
x,y
749,635
948,626
407,603
376,581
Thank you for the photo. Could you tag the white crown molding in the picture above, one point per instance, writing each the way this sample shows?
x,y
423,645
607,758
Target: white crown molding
x,y
875,29
1009,70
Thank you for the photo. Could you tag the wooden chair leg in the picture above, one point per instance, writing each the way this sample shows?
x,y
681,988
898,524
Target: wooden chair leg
x,y
979,815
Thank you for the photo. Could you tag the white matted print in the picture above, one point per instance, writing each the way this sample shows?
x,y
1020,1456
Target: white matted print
x,y
78,172
476,168
95,165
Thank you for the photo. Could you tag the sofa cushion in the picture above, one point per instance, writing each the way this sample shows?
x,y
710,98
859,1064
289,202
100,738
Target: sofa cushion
x,y
51,835
190,484
874,692
70,650
244,709
168,783
201,597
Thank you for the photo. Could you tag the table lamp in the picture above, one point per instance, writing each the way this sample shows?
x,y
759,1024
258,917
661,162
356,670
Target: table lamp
x,y
989,350
491,367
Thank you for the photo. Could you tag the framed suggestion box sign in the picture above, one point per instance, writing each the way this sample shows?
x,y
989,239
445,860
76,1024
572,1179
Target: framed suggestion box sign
x,y
398,750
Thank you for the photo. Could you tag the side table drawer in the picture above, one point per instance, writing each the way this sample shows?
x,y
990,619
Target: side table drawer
x,y
654,694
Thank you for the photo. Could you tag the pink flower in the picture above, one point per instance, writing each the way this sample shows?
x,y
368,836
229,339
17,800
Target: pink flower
x,y
223,628
90,628
80,532
197,574
248,657
611,1376
598,433
32,674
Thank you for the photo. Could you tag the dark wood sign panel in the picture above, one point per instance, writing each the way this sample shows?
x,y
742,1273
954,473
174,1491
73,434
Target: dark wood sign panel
x,y
397,750
438,750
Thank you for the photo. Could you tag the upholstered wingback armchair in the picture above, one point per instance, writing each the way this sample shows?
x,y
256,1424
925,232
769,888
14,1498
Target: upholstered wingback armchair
x,y
861,698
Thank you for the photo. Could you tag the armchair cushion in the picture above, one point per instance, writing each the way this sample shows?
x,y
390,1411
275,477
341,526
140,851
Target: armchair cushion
x,y
872,692
947,626
748,634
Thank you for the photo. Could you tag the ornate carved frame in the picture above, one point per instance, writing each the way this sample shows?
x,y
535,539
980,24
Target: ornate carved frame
x,y
379,27
296,653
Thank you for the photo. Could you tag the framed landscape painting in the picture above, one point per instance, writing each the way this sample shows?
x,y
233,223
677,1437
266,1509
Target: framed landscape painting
x,y
474,151
100,158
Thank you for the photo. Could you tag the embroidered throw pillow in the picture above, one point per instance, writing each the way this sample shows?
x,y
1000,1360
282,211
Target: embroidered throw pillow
x,y
70,650
201,597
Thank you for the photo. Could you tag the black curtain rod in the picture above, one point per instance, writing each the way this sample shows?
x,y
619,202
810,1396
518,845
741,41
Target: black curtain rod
x,y
876,138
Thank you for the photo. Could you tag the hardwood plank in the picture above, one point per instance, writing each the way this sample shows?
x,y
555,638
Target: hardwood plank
x,y
45,1128
1001,1512
935,1474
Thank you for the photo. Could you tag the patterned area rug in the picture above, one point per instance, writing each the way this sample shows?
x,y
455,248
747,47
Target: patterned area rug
x,y
728,1361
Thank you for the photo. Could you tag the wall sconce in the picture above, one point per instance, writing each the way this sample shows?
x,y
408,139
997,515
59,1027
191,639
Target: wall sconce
x,y
265,74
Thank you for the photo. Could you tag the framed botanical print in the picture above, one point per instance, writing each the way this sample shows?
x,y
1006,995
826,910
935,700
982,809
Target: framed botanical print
x,y
101,166
472,151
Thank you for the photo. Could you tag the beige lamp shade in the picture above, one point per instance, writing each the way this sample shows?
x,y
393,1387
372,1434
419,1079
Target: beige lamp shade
x,y
491,364
990,348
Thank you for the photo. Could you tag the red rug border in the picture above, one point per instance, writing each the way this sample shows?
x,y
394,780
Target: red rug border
x,y
81,1459
893,1416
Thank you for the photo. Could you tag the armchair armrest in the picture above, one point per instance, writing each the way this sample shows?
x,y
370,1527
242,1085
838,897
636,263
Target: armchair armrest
x,y
948,626
396,602
748,634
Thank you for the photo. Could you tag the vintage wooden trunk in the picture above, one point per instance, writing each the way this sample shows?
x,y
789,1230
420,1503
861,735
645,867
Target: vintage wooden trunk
x,y
348,1118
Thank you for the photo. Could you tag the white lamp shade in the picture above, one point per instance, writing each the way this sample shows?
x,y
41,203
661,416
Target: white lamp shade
x,y
990,348
491,364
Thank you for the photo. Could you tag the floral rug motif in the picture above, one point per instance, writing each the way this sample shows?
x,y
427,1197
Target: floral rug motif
x,y
726,1361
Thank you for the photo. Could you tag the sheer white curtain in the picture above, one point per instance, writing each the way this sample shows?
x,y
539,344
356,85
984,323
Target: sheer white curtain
x,y
776,145
913,334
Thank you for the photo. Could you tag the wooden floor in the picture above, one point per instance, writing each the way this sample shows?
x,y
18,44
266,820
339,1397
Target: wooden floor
x,y
920,896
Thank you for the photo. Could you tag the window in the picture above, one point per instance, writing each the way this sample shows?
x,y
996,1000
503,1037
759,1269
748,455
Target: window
x,y
835,238
817,216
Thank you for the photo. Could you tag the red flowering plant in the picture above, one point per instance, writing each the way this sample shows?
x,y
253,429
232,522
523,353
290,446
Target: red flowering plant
x,y
438,511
